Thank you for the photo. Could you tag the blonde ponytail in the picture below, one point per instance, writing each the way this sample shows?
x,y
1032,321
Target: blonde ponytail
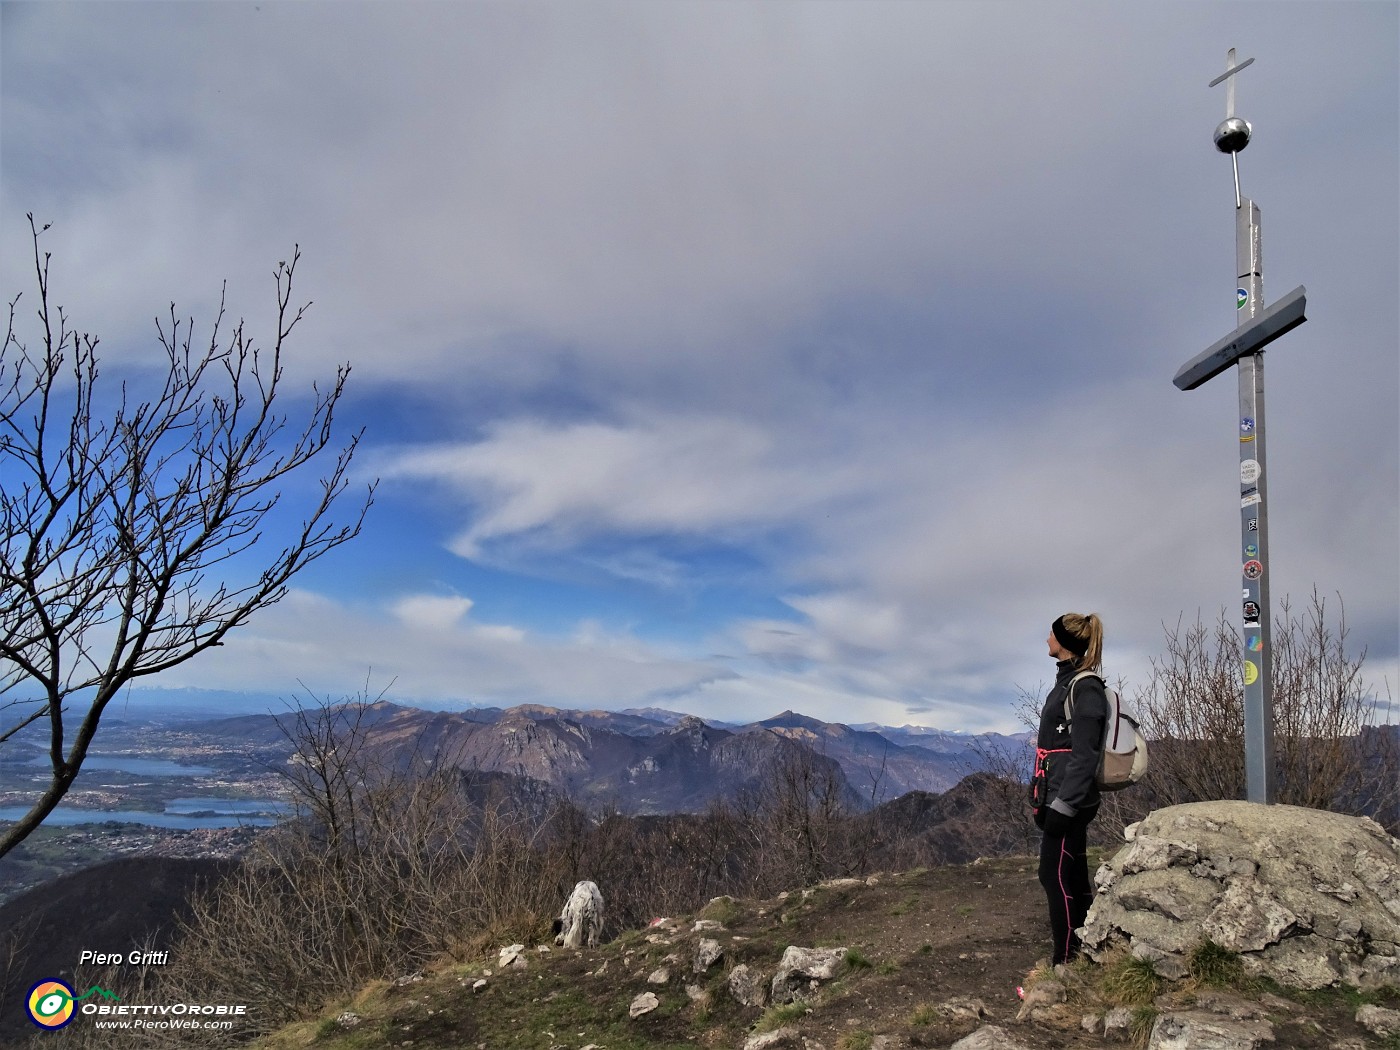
x,y
1087,630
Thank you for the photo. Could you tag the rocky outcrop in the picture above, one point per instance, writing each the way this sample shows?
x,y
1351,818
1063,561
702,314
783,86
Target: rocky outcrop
x,y
1305,897
802,971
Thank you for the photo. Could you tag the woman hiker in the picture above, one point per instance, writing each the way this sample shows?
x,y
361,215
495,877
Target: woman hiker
x,y
1063,791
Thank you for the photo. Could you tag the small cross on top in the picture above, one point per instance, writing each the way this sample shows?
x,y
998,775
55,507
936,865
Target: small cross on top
x,y
1230,70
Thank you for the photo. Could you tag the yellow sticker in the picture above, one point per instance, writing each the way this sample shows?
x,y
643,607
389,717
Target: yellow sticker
x,y
1251,672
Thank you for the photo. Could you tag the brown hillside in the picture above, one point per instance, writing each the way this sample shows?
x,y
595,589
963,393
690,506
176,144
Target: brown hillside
x,y
932,955
124,904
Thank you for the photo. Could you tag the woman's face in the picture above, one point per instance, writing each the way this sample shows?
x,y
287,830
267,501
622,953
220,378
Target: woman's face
x,y
1058,651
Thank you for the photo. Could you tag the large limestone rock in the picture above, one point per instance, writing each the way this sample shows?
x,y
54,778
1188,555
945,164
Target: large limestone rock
x,y
990,1038
802,970
1196,1030
747,986
1305,897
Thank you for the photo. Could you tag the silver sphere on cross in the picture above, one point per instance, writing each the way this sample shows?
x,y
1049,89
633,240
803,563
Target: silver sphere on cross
x,y
1232,135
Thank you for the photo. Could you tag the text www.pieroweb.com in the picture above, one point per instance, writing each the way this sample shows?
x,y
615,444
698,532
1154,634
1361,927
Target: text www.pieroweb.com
x,y
168,1024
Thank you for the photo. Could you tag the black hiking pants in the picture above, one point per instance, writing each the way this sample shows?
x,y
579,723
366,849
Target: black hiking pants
x,y
1064,872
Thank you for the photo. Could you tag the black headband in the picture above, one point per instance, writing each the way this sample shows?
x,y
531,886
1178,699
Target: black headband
x,y
1075,645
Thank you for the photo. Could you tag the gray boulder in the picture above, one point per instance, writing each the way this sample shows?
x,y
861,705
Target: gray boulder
x,y
747,986
802,970
1307,898
1379,1021
1195,1030
707,953
989,1038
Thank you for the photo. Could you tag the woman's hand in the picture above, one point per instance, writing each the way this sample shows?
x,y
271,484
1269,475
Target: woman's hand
x,y
1056,823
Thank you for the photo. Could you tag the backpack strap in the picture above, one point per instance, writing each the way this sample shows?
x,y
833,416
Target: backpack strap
x,y
1069,697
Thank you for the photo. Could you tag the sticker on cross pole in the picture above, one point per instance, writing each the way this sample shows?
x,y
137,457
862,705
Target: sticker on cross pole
x,y
1251,614
1241,298
1253,570
1251,672
1246,429
1249,471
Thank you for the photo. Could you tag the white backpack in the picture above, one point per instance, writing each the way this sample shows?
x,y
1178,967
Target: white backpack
x,y
1124,760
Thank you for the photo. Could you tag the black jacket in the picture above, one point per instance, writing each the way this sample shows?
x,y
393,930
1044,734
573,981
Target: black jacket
x,y
1070,786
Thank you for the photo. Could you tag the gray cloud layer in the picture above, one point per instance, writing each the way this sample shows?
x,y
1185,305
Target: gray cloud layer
x,y
907,282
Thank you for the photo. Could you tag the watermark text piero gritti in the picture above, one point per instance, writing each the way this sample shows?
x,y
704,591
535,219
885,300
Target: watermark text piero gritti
x,y
131,958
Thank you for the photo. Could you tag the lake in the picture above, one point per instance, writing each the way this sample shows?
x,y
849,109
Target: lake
x,y
149,767
179,813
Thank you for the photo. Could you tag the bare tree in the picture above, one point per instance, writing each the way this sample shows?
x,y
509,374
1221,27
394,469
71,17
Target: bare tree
x,y
1328,754
800,812
133,532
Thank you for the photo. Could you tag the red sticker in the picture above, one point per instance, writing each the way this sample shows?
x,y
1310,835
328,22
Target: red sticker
x,y
1253,570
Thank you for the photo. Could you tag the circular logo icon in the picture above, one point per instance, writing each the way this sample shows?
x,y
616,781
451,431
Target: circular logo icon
x,y
1241,297
50,1004
1249,471
1253,570
1255,643
1251,672
1251,550
1246,425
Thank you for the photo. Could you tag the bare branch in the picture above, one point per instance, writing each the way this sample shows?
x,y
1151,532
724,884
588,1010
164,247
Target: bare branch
x,y
135,531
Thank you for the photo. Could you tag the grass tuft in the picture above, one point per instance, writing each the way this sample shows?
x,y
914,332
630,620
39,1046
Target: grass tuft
x,y
1214,966
857,960
1130,981
925,1014
777,1016
1140,1028
722,910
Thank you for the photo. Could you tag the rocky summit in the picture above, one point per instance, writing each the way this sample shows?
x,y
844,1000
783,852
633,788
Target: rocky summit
x,y
1306,898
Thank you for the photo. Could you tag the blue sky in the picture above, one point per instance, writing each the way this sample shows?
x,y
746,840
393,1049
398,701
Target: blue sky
x,y
740,357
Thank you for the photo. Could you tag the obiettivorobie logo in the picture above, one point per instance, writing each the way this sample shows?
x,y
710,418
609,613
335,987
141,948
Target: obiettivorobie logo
x,y
50,1002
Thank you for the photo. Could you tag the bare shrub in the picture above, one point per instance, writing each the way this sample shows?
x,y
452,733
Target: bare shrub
x,y
388,865
1006,801
1326,750
797,821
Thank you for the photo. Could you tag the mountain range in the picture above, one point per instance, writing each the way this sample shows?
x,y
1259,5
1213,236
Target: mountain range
x,y
652,761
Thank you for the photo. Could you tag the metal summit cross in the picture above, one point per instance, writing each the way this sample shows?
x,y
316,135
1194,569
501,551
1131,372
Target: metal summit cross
x,y
1257,327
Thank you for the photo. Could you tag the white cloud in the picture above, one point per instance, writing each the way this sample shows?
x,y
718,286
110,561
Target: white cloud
x,y
425,655
680,474
432,611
